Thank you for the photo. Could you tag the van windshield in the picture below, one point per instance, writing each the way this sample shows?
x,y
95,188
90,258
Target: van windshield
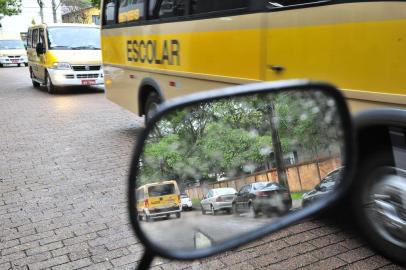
x,y
11,44
161,190
73,38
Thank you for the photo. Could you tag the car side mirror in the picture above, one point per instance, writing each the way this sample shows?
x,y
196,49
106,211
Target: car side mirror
x,y
40,49
310,119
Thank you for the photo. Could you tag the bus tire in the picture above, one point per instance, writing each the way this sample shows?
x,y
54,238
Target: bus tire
x,y
376,234
151,105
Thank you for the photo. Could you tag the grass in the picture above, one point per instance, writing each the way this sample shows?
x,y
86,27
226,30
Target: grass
x,y
196,201
296,195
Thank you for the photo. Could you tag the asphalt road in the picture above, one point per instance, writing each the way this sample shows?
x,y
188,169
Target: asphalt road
x,y
63,203
180,232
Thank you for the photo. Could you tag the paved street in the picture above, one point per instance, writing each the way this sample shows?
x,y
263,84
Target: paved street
x,y
63,166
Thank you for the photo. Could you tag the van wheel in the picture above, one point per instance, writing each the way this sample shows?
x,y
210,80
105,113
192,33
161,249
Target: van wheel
x,y
178,215
234,210
252,211
26,64
151,105
1,65
50,86
34,83
213,211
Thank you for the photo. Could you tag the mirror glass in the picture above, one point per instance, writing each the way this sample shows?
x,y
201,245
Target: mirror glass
x,y
212,171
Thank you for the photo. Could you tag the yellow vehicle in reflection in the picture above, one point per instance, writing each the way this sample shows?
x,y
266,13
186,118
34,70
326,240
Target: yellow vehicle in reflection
x,y
160,199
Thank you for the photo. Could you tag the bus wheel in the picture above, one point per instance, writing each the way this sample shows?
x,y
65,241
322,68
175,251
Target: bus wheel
x,y
151,105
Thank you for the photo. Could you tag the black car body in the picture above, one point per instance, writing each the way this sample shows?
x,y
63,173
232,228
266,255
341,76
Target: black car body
x,y
262,197
326,185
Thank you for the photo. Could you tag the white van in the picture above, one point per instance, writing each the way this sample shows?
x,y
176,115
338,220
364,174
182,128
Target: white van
x,y
12,52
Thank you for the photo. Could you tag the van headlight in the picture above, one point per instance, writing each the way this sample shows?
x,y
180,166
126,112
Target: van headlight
x,y
59,65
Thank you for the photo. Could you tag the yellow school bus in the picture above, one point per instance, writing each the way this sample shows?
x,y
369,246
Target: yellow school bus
x,y
156,50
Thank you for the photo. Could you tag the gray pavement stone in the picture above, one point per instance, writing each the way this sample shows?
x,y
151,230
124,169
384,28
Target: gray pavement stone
x,y
63,171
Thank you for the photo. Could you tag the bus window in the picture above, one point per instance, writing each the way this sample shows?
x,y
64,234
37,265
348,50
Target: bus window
x,y
172,8
205,6
130,10
109,12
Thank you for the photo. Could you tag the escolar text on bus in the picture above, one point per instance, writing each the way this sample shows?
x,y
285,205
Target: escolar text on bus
x,y
150,51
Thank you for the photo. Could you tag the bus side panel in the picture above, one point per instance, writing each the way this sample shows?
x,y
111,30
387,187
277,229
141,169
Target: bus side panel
x,y
357,46
192,53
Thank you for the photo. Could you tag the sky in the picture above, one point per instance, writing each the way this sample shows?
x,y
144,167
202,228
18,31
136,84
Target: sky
x,y
13,25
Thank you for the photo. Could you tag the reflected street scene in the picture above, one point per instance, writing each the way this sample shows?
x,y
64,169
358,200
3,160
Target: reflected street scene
x,y
241,162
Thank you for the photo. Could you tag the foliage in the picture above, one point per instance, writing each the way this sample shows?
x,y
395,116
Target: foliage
x,y
232,137
10,7
75,7
96,3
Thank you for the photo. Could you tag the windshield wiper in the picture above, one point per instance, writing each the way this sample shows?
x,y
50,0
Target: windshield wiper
x,y
61,47
85,47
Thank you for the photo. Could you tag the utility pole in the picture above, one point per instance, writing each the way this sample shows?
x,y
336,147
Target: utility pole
x,y
41,10
277,148
54,7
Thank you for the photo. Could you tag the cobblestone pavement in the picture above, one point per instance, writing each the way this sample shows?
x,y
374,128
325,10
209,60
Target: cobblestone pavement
x,y
63,166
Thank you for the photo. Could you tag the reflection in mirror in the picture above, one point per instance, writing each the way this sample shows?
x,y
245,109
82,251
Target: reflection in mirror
x,y
244,162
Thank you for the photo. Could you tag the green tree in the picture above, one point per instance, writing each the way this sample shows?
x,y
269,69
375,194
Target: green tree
x,y
96,3
10,7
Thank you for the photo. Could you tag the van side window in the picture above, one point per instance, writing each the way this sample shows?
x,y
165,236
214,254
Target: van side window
x,y
42,37
34,38
205,6
29,38
110,12
152,4
140,194
172,8
130,10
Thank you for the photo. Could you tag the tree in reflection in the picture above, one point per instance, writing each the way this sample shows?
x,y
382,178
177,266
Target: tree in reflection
x,y
231,137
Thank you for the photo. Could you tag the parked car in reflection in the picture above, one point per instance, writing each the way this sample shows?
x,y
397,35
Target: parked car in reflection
x,y
326,185
262,197
218,199
186,202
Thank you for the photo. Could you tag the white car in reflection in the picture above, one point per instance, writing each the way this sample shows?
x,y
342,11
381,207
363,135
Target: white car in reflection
x,y
218,199
186,202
